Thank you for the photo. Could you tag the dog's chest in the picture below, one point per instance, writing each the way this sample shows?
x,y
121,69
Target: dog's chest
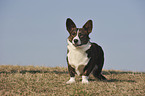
x,y
77,57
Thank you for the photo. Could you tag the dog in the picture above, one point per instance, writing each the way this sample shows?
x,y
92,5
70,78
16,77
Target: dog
x,y
83,57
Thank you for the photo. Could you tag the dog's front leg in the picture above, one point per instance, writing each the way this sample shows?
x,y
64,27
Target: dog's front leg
x,y
87,70
71,71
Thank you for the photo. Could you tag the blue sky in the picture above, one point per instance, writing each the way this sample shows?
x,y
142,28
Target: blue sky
x,y
33,32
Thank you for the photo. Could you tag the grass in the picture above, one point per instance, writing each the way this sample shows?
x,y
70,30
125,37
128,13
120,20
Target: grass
x,y
46,81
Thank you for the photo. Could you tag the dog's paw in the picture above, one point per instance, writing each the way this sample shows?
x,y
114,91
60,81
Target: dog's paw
x,y
71,80
85,80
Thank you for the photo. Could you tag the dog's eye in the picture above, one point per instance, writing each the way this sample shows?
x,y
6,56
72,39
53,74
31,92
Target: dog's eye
x,y
73,33
81,35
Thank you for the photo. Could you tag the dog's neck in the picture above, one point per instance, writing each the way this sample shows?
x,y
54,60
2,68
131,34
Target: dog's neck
x,y
84,47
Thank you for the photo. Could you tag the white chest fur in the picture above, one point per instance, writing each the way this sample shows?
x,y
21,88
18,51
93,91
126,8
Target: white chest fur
x,y
77,56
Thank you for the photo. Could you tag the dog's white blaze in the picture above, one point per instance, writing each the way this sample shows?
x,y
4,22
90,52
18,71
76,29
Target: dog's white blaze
x,y
77,37
77,56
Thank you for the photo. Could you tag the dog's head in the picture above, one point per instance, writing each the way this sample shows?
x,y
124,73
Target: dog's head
x,y
78,36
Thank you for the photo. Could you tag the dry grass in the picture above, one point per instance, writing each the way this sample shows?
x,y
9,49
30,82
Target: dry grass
x,y
46,81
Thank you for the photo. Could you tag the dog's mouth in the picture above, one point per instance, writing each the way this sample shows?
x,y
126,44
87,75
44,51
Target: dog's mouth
x,y
77,45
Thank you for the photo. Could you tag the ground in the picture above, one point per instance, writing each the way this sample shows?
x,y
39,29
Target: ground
x,y
47,81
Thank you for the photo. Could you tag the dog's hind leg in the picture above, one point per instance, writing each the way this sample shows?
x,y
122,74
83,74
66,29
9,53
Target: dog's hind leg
x,y
97,71
97,74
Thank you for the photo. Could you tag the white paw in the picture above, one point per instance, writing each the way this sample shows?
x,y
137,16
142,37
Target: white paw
x,y
85,80
71,80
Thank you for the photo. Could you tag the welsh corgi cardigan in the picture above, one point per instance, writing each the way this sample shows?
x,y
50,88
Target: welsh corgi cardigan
x,y
83,57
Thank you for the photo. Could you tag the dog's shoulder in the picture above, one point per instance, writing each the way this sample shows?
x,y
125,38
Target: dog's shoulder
x,y
95,49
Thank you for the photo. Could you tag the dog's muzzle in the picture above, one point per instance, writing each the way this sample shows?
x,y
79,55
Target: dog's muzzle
x,y
76,43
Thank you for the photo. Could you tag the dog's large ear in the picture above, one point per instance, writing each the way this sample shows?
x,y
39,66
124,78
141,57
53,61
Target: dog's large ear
x,y
70,24
88,26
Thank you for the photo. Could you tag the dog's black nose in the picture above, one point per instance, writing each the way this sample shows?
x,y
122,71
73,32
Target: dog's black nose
x,y
75,41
